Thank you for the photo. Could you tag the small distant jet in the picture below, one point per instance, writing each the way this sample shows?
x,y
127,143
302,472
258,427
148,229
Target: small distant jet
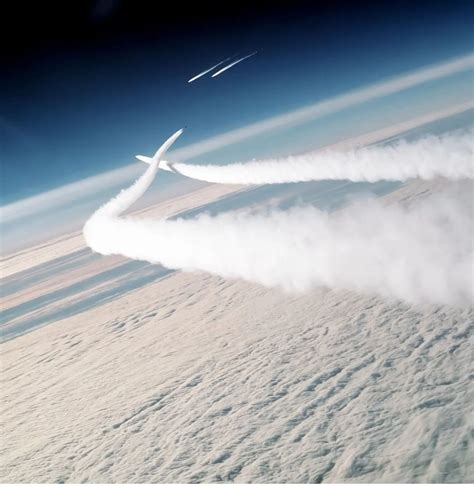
x,y
162,165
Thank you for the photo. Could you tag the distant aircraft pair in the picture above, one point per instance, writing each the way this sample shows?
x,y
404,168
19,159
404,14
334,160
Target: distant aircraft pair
x,y
225,68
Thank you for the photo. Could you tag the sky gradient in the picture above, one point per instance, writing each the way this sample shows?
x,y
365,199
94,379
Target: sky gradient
x,y
84,93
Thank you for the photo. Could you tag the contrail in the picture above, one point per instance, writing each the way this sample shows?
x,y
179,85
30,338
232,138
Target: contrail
x,y
208,70
449,156
225,68
419,254
126,198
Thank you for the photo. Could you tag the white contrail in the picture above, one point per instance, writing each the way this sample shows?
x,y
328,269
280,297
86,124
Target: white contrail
x,y
449,156
225,68
423,254
208,70
127,197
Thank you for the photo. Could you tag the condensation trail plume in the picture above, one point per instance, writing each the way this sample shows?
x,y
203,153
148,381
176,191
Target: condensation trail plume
x,y
208,70
225,68
418,254
449,156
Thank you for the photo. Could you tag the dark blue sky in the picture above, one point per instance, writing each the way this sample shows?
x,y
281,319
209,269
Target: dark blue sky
x,y
92,83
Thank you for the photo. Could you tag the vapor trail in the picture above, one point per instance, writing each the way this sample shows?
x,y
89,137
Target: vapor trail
x,y
449,156
225,68
208,70
116,206
423,254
